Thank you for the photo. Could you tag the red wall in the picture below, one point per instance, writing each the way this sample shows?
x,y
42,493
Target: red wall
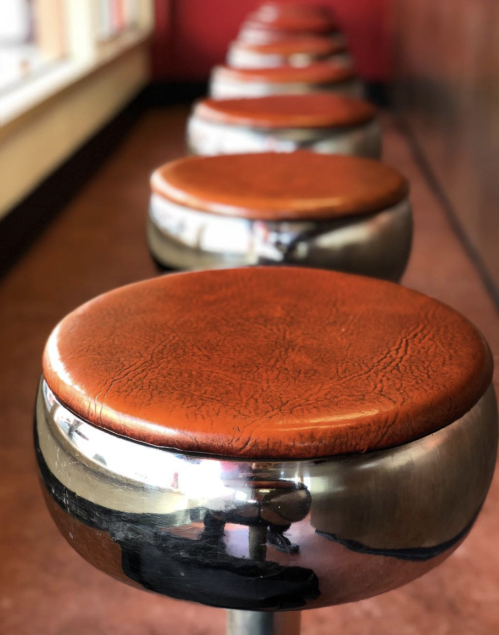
x,y
192,35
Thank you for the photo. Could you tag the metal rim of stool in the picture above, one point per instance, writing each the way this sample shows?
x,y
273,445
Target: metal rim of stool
x,y
377,245
294,524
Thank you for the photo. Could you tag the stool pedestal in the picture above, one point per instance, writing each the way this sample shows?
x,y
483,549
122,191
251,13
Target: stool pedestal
x,y
255,623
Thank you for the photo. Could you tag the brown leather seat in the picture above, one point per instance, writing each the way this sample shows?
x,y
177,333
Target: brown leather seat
x,y
275,21
292,21
267,363
290,8
270,11
319,73
312,110
313,46
293,51
295,186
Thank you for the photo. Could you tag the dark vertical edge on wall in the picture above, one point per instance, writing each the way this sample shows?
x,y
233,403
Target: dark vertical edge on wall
x,y
24,222
439,192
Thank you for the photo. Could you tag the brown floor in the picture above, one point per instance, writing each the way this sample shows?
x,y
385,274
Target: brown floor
x,y
99,243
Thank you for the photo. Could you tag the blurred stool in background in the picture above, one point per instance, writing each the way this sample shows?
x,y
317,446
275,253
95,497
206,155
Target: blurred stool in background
x,y
272,11
297,51
275,22
301,208
321,122
227,82
265,439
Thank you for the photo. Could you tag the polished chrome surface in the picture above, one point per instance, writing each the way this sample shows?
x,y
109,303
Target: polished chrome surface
x,y
240,57
222,88
209,139
253,623
377,245
264,535
447,65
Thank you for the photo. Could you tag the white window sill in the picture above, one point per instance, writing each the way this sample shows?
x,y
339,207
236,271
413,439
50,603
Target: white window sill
x,y
36,90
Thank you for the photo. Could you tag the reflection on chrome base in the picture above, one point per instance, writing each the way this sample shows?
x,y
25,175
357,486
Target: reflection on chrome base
x,y
264,536
378,245
223,88
209,139
240,57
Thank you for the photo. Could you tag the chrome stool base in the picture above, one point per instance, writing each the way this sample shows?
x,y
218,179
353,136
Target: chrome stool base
x,y
208,138
263,535
222,89
377,245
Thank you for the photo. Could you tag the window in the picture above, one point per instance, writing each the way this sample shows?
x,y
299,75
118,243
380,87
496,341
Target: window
x,y
32,37
47,45
116,16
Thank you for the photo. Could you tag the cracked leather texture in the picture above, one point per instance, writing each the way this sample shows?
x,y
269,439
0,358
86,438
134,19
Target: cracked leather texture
x,y
311,110
299,185
325,72
267,363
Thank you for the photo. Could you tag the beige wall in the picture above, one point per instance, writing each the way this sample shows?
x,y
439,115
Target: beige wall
x,y
30,149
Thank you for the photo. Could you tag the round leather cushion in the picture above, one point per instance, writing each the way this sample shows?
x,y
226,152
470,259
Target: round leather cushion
x,y
271,11
267,363
319,46
281,186
293,22
312,110
325,72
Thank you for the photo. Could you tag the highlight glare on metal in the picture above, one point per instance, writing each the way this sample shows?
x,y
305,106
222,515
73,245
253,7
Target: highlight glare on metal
x,y
377,245
264,535
221,87
209,139
240,57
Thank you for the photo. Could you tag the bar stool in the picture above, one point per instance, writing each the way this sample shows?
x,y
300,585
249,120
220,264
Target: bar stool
x,y
321,122
227,82
265,439
271,11
270,24
296,51
301,208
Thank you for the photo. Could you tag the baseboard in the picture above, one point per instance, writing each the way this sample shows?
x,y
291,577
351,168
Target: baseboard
x,y
162,94
24,223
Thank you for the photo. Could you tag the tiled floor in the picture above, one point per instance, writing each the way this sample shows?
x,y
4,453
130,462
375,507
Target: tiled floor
x,y
99,243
